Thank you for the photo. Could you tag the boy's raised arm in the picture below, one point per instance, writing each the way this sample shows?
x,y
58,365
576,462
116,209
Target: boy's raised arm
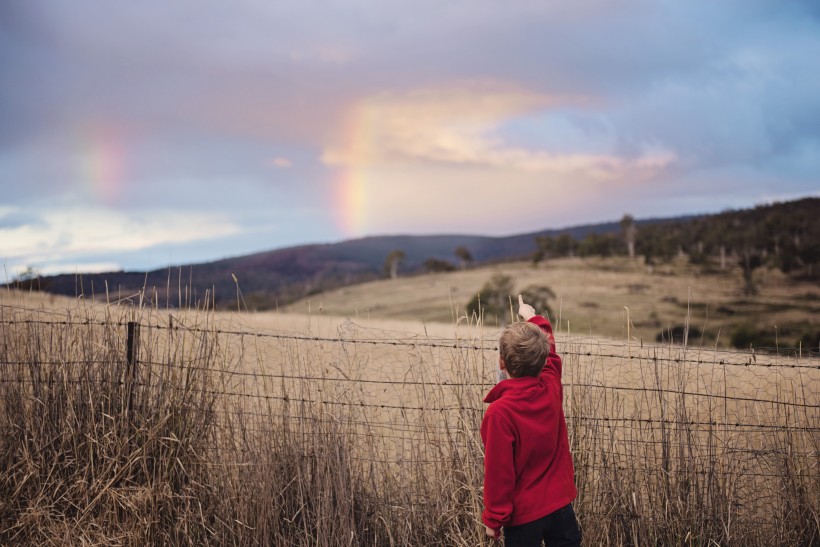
x,y
527,313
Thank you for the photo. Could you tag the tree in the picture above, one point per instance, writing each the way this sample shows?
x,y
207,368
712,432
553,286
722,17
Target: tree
x,y
565,245
628,229
545,247
464,256
537,256
749,261
809,255
657,245
598,244
391,263
434,265
27,275
29,279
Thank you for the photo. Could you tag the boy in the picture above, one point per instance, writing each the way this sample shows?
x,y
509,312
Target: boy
x,y
529,482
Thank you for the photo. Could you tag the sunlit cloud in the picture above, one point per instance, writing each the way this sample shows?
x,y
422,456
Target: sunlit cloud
x,y
459,126
478,200
441,159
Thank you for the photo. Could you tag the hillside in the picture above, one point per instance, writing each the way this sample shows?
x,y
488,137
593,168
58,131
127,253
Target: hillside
x,y
785,236
284,275
592,296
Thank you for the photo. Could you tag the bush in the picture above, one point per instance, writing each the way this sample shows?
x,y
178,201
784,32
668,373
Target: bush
x,y
435,265
746,336
811,341
538,296
676,334
497,299
494,299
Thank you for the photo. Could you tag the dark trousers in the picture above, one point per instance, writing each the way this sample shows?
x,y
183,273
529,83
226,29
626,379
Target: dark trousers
x,y
558,529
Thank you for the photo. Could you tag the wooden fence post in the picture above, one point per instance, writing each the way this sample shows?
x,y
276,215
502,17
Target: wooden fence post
x,y
132,358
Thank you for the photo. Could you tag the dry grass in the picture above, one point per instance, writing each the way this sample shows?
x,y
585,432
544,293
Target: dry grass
x,y
328,432
591,296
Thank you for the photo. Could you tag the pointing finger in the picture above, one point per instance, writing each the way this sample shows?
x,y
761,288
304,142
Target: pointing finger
x,y
520,300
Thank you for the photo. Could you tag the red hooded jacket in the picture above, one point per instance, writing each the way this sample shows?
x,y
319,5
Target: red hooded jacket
x,y
528,470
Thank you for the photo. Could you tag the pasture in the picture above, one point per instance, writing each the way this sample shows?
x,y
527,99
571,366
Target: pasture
x,y
591,297
316,429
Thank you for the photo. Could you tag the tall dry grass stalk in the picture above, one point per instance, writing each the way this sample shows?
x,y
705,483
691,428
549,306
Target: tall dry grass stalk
x,y
232,437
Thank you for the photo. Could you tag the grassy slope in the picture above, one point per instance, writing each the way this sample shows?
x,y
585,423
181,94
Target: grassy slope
x,y
592,295
50,306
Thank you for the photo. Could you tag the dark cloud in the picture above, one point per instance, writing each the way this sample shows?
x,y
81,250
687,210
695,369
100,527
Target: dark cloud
x,y
266,69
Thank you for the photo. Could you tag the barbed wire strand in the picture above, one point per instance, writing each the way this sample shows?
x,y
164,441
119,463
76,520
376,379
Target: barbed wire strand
x,y
443,383
750,359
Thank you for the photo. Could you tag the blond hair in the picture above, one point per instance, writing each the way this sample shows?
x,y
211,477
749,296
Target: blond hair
x,y
524,348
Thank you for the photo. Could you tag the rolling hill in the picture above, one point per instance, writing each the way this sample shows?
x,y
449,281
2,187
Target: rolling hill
x,y
785,235
613,297
284,275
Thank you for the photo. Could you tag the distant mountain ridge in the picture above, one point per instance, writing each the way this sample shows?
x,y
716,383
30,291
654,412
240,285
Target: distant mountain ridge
x,y
284,275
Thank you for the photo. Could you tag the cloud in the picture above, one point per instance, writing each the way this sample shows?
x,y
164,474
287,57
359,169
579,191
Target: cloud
x,y
11,218
69,234
664,75
459,126
81,267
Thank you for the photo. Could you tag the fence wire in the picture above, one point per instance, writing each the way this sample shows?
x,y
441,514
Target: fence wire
x,y
406,400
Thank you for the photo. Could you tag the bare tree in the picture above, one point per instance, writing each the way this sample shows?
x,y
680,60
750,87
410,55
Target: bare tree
x,y
391,263
629,230
464,256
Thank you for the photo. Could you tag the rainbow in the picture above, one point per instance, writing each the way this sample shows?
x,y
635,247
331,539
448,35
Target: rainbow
x,y
355,177
103,165
352,189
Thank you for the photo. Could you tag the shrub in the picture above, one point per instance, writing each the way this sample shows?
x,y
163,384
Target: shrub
x,y
494,299
538,296
746,336
811,341
434,265
676,334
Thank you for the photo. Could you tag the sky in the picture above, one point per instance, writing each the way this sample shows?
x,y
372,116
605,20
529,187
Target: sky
x,y
137,135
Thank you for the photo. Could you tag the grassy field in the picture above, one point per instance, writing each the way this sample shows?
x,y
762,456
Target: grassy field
x,y
592,295
317,429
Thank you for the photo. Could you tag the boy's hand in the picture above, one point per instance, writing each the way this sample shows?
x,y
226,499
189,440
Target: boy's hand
x,y
525,310
491,533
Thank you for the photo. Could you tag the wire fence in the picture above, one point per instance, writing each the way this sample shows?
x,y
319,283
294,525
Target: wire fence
x,y
792,379
641,413
785,357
